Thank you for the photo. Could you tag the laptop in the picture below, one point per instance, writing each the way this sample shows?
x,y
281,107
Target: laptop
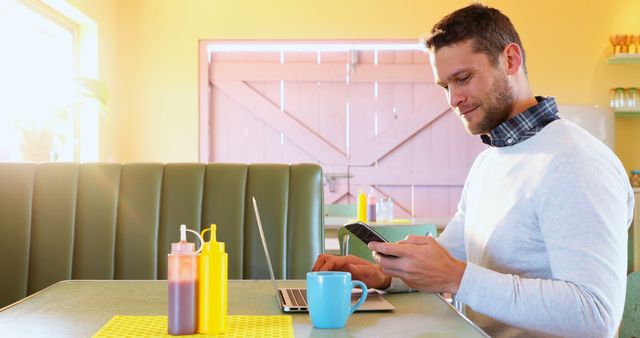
x,y
295,299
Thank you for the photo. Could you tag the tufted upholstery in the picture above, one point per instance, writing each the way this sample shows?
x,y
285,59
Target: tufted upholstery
x,y
116,221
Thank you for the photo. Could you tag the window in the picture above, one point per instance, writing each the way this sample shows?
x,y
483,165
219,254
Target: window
x,y
39,90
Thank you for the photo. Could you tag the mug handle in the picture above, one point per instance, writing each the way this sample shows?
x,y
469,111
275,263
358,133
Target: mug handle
x,y
363,295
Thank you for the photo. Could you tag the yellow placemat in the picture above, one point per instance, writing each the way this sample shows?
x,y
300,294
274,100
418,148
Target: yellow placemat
x,y
238,326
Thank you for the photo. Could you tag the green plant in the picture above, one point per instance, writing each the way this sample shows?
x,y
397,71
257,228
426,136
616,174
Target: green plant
x,y
94,91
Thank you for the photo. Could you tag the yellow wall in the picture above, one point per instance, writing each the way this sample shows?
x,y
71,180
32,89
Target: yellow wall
x,y
150,62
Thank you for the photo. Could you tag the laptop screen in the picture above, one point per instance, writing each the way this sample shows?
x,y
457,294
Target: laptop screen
x,y
266,251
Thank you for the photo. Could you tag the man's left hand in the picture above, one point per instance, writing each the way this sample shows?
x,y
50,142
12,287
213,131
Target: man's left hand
x,y
421,263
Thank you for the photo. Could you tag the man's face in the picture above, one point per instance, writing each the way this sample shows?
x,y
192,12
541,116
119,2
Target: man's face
x,y
478,91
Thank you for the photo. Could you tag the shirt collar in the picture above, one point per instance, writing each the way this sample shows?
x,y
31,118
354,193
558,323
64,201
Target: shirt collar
x,y
523,125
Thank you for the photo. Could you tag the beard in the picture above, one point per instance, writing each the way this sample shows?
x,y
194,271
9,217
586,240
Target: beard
x,y
497,107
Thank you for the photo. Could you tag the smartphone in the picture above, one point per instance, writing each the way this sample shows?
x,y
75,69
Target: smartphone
x,y
366,234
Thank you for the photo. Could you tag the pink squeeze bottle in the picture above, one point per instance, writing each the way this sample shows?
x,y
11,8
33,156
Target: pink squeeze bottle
x,y
182,278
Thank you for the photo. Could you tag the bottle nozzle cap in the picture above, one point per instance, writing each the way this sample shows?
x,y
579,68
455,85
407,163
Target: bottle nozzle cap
x,y
184,247
212,245
212,236
183,232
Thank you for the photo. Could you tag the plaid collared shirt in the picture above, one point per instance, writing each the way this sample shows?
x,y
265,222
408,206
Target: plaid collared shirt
x,y
523,125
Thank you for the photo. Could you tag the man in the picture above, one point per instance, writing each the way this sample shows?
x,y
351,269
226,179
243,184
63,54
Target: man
x,y
537,246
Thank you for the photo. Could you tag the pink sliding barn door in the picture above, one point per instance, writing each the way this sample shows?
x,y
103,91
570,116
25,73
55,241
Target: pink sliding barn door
x,y
369,118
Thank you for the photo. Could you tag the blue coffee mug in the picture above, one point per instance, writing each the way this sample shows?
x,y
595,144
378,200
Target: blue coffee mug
x,y
329,298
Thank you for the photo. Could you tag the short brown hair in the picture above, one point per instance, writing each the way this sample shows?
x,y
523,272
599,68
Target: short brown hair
x,y
489,29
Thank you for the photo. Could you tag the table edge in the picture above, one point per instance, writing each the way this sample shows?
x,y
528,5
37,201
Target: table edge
x,y
462,315
469,321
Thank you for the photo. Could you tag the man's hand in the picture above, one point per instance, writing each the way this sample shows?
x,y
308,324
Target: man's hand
x,y
421,263
360,269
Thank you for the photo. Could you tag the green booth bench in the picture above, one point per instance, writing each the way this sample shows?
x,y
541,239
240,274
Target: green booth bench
x,y
62,221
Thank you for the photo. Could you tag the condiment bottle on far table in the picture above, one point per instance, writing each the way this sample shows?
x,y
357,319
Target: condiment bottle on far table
x,y
372,201
213,287
182,277
361,206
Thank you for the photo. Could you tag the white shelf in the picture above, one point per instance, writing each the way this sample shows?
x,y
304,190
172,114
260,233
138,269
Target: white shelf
x,y
627,113
624,59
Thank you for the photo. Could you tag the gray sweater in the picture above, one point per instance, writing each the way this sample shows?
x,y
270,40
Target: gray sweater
x,y
543,227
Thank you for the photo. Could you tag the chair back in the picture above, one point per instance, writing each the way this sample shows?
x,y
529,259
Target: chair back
x,y
340,210
630,326
62,221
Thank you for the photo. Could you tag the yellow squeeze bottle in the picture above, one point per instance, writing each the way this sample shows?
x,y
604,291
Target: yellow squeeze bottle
x,y
212,288
362,206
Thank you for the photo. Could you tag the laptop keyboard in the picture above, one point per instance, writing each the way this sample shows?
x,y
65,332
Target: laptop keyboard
x,y
298,297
